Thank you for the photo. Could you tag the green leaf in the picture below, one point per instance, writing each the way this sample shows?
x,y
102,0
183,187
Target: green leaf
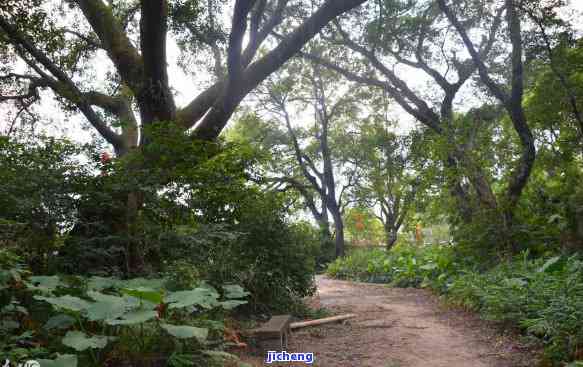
x,y
220,356
44,283
106,307
135,283
204,297
554,218
231,304
185,332
9,325
515,282
549,264
134,317
67,302
81,341
14,307
430,266
65,360
100,283
235,291
147,294
61,321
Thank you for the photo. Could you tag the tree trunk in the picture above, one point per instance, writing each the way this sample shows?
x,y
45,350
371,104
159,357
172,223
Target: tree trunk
x,y
325,230
391,237
339,227
339,240
135,263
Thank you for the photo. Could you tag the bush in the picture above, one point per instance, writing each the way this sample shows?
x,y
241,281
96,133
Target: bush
x,y
542,298
271,258
403,266
39,186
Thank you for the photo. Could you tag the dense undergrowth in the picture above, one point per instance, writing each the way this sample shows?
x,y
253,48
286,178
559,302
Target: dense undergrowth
x,y
542,297
69,321
84,284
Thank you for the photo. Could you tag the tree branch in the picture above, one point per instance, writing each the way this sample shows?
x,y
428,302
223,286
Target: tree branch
x,y
213,123
64,87
114,40
260,36
496,89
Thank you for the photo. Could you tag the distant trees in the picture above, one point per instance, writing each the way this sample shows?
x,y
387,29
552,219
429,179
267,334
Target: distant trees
x,y
383,39
336,148
391,175
310,116
389,41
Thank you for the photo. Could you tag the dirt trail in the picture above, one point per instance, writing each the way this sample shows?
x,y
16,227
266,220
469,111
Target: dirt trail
x,y
400,328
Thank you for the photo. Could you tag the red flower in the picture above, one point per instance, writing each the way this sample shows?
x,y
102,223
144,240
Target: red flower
x,y
105,158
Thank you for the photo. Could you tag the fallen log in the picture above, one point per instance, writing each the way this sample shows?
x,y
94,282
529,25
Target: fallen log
x,y
326,320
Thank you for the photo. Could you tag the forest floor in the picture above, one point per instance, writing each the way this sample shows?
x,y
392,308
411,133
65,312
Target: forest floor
x,y
398,327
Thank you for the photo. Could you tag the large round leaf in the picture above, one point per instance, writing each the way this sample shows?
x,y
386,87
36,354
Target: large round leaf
x,y
65,360
42,283
100,283
134,317
147,294
234,291
204,297
67,302
107,306
185,332
61,321
81,341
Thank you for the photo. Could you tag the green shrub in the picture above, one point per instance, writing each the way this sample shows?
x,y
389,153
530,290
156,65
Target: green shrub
x,y
543,298
273,259
403,266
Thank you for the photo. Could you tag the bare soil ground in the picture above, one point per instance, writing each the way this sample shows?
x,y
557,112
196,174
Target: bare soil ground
x,y
400,328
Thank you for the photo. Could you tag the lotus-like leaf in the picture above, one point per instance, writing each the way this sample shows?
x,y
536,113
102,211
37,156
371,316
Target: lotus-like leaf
x,y
134,317
65,360
61,321
204,297
147,294
81,341
231,304
235,291
67,302
185,332
45,284
106,307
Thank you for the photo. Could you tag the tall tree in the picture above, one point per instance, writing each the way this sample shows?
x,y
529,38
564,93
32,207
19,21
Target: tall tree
x,y
63,42
60,41
511,99
314,112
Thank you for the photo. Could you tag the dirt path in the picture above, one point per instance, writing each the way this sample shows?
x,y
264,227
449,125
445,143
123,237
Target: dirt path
x,y
400,328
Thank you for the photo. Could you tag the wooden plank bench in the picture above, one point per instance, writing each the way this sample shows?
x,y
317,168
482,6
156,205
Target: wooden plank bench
x,y
277,328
